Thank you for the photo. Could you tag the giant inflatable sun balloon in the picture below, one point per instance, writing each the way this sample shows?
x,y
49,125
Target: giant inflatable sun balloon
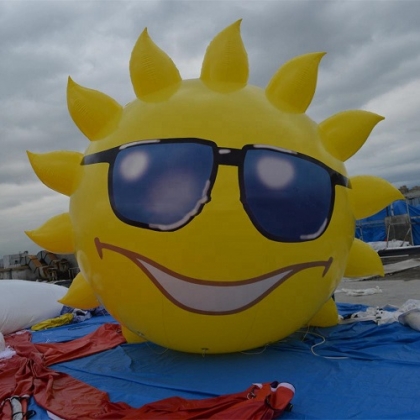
x,y
209,215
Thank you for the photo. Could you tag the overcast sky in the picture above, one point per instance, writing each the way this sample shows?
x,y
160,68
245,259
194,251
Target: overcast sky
x,y
372,63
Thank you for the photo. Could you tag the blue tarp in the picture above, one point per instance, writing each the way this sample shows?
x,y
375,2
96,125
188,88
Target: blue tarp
x,y
358,370
372,229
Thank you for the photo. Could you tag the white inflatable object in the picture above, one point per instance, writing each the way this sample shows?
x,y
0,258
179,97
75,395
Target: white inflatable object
x,y
25,303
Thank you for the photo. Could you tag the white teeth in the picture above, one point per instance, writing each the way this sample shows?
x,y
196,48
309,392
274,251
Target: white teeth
x,y
213,297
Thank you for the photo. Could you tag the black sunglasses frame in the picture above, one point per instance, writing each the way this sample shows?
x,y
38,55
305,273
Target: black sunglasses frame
x,y
221,156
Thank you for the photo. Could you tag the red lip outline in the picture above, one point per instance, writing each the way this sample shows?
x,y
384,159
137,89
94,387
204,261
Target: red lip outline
x,y
216,297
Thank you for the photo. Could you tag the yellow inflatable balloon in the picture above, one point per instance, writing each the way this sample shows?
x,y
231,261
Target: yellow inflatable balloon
x,y
209,215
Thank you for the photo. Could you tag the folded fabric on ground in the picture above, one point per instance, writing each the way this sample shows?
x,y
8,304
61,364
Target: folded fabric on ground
x,y
358,370
27,375
360,292
407,314
68,316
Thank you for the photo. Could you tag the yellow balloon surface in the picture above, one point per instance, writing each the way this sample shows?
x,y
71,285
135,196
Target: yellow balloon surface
x,y
209,215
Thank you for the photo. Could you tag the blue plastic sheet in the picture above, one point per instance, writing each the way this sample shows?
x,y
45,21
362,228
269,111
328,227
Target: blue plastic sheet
x,y
359,370
372,229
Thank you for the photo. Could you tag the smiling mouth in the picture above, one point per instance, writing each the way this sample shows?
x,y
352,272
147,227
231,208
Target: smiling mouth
x,y
211,297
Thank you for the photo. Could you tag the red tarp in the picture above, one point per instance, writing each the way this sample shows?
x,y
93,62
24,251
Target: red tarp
x,y
27,374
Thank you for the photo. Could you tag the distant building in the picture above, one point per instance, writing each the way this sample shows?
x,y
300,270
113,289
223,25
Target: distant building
x,y
45,266
13,260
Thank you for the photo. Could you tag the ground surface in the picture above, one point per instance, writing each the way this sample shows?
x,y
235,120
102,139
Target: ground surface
x,y
399,284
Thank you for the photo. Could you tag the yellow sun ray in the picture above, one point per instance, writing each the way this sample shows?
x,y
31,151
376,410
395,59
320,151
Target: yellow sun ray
x,y
231,67
363,261
80,294
59,170
346,132
55,235
293,86
371,194
151,69
95,114
327,316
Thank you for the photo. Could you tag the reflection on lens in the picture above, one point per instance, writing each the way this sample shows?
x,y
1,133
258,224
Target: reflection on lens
x,y
133,166
275,172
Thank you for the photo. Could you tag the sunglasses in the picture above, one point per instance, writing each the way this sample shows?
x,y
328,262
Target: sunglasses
x,y
163,184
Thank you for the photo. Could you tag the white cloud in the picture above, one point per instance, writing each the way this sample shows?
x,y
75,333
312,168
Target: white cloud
x,y
392,151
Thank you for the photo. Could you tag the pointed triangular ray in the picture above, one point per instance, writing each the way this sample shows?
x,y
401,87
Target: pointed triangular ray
x,y
95,113
363,261
327,316
151,69
59,170
370,194
293,86
80,294
226,60
343,134
55,235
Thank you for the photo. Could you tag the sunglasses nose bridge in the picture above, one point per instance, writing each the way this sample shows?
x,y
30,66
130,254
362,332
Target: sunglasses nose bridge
x,y
224,185
225,191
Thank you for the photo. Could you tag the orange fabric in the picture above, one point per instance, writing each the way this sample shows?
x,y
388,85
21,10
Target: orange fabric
x,y
27,374
252,404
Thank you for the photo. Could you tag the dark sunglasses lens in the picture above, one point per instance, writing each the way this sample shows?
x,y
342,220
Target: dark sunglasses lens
x,y
288,198
161,186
